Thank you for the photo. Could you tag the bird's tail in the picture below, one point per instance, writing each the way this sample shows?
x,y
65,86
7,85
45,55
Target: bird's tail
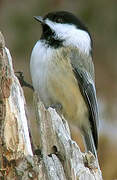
x,y
89,142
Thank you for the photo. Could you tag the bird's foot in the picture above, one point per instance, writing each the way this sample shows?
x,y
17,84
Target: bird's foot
x,y
57,107
20,77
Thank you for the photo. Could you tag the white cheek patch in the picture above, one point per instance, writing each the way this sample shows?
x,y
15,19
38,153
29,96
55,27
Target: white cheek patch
x,y
71,36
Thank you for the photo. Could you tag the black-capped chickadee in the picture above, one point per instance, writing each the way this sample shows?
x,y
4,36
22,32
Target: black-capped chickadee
x,y
62,72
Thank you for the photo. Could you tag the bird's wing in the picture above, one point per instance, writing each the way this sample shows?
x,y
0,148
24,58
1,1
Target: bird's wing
x,y
88,91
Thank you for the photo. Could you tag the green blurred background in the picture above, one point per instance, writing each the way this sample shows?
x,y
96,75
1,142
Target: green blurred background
x,y
21,32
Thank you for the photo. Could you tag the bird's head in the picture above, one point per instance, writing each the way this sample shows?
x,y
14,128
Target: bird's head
x,y
64,29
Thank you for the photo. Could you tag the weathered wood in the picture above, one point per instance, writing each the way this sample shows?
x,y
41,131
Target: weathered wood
x,y
60,157
14,128
55,139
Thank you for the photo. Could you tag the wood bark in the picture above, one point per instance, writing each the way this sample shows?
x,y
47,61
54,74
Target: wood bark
x,y
58,158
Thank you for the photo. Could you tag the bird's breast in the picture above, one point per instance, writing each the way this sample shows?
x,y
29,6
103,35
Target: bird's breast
x,y
40,59
53,78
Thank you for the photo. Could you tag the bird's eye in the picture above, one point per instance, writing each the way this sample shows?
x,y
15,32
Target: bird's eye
x,y
59,20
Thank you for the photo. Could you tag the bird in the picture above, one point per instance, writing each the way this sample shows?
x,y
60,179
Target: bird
x,y
62,72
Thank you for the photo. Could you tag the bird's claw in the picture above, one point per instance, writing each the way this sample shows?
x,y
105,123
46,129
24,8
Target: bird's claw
x,y
20,77
57,107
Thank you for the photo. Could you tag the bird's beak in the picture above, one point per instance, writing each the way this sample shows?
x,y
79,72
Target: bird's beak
x,y
39,18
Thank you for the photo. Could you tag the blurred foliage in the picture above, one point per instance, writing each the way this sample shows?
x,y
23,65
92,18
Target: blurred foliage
x,y
21,33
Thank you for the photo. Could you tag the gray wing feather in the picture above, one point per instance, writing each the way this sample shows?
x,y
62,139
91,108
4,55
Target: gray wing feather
x,y
88,91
